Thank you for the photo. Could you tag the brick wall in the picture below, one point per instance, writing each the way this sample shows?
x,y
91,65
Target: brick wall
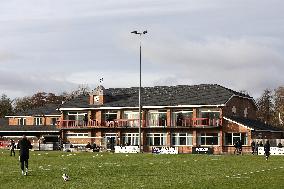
x,y
240,104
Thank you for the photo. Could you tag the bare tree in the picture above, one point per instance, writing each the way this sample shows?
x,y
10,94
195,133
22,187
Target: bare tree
x,y
265,107
6,107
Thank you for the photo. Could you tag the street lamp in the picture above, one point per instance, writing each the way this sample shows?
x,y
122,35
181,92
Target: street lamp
x,y
139,141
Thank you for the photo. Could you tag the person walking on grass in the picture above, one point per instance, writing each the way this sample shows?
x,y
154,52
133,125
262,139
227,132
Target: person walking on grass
x,y
267,149
25,146
12,147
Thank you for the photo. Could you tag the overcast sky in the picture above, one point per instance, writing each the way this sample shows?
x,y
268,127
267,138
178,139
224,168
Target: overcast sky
x,y
55,45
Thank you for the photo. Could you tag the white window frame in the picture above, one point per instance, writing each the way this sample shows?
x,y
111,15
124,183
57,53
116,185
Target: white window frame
x,y
38,121
236,135
176,112
134,138
77,114
22,121
155,123
177,136
77,135
151,139
207,135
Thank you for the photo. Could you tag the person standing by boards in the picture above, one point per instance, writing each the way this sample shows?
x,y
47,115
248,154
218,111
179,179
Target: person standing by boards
x,y
267,149
12,147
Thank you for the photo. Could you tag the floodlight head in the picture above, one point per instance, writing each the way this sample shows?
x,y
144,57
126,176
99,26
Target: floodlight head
x,y
144,32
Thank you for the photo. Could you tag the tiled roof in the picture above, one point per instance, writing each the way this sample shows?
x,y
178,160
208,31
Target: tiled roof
x,y
81,101
254,124
204,94
48,109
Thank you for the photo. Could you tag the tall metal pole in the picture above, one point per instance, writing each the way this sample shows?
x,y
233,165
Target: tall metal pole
x,y
140,63
140,100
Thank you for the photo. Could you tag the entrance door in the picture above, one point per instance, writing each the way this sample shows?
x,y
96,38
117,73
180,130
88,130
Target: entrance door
x,y
110,139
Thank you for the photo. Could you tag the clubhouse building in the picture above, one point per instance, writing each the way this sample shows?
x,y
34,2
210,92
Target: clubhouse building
x,y
183,116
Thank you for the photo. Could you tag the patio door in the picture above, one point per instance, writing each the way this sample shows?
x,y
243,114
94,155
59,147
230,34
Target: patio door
x,y
110,140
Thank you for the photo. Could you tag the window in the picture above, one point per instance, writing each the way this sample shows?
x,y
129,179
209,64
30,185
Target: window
x,y
110,115
210,117
245,112
77,135
156,139
181,117
232,138
234,110
130,139
78,118
157,118
211,114
208,139
38,121
54,121
182,139
21,121
132,117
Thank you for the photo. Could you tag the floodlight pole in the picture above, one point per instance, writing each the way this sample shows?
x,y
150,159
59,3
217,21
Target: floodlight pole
x,y
140,63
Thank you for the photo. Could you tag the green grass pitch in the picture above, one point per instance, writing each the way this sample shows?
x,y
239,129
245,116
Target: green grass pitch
x,y
108,170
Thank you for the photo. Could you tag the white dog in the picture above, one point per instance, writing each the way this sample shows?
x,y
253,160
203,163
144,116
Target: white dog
x,y
65,177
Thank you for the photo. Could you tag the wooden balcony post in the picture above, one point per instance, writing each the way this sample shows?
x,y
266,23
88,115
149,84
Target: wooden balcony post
x,y
169,118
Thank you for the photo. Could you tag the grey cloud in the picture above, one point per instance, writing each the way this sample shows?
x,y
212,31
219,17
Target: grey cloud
x,y
239,63
235,43
25,83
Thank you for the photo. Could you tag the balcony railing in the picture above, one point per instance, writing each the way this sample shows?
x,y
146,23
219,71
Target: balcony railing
x,y
134,123
196,122
95,123
157,123
77,123
127,122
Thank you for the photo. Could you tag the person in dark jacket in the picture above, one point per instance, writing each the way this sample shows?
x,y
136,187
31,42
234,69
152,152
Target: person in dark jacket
x,y
12,147
267,149
236,145
256,148
252,147
25,146
240,147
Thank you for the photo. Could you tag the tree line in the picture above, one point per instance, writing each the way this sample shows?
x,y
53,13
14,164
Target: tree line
x,y
10,106
270,103
271,107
